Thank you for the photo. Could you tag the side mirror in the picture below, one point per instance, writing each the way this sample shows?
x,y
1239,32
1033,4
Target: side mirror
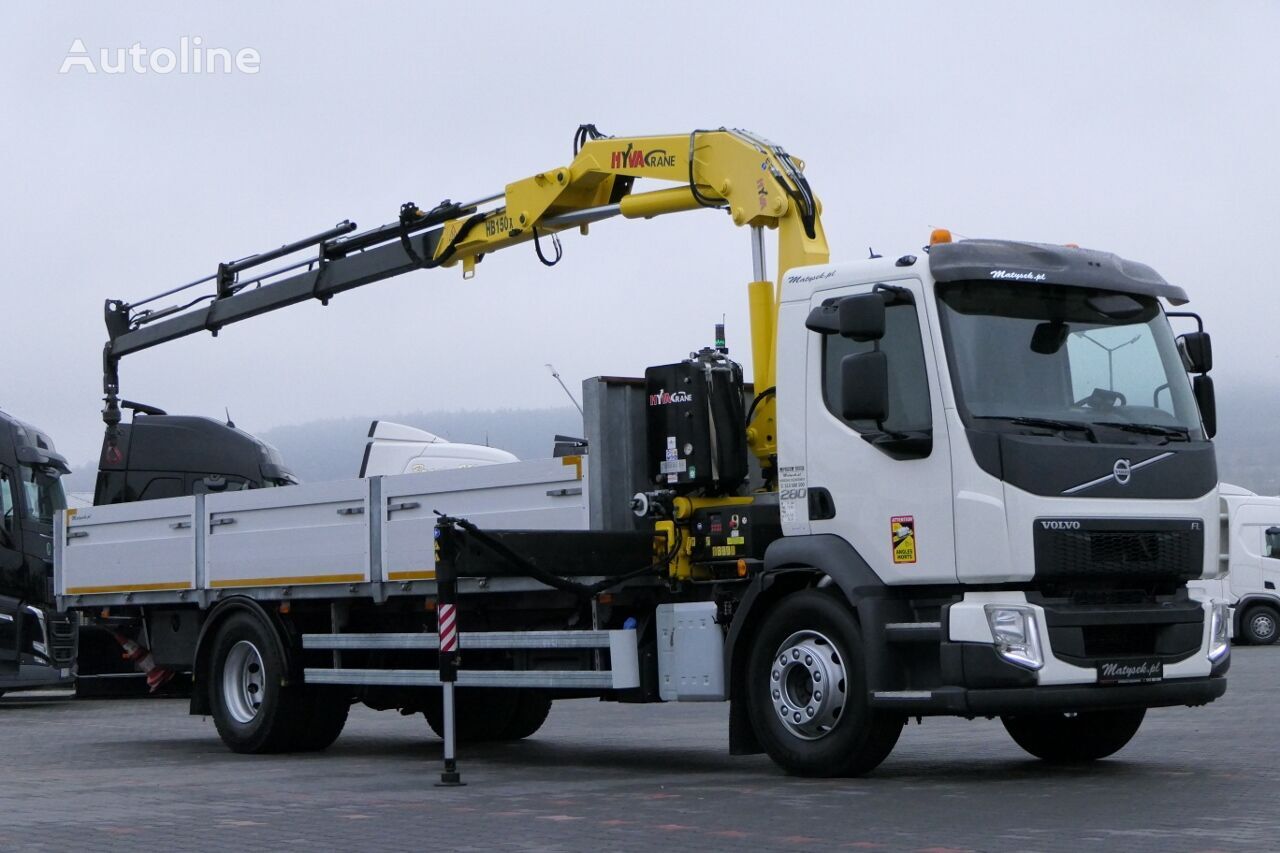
x,y
1199,351
1202,387
864,386
210,484
862,317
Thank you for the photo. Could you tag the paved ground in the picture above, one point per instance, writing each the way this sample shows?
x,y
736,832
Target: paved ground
x,y
134,775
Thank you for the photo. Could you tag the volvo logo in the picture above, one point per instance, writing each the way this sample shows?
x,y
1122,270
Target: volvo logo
x,y
1060,525
1121,473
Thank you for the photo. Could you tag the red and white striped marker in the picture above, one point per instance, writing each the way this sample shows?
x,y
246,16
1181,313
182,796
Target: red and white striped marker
x,y
448,628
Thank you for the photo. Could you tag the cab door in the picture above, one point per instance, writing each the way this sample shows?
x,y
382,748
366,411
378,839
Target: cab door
x,y
885,486
10,637
12,576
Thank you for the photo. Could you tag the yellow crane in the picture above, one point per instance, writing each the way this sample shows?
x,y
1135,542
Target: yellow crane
x,y
755,181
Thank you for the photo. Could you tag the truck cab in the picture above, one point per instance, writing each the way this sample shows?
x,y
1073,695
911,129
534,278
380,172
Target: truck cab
x,y
1000,443
37,645
159,455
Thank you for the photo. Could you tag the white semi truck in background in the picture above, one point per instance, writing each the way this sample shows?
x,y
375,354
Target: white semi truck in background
x,y
976,482
1250,536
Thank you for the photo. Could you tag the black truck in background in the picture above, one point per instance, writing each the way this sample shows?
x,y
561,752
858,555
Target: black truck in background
x,y
37,645
157,456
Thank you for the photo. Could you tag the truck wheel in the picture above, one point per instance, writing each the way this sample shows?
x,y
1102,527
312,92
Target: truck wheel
x,y
807,690
1076,739
1261,625
531,710
482,713
324,714
253,711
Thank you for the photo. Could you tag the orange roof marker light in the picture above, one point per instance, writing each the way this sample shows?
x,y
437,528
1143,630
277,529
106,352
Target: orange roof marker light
x,y
939,235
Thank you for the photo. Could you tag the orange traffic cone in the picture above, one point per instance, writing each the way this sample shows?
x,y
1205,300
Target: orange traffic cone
x,y
142,659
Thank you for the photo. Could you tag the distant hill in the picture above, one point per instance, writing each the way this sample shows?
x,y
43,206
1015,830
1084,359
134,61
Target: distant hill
x,y
1248,451
1248,437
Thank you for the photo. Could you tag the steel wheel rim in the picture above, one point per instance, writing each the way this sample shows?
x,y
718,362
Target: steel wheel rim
x,y
1264,626
807,685
243,682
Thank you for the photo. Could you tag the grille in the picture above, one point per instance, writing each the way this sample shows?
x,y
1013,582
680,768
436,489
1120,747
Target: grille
x,y
1113,640
62,642
1115,548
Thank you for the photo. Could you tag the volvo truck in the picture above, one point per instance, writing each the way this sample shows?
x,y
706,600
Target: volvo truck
x,y
974,479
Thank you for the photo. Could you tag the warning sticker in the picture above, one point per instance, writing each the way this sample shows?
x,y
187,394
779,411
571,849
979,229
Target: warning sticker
x,y
904,538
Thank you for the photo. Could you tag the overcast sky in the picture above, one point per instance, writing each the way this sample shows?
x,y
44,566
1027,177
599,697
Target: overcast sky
x,y
1147,129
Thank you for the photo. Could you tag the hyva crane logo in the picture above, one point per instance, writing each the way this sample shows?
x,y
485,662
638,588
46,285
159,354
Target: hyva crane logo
x,y
190,56
666,398
633,158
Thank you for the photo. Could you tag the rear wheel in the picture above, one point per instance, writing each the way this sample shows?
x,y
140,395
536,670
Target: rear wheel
x,y
481,713
1074,738
1260,625
807,690
253,711
532,708
323,716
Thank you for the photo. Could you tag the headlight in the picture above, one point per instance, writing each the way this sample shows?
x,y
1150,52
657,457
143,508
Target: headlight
x,y
1219,623
1015,634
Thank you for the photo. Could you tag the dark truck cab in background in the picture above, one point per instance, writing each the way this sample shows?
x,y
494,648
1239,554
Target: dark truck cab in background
x,y
37,645
158,455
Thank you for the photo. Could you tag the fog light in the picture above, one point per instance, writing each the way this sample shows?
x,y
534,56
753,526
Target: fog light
x,y
1219,622
1015,634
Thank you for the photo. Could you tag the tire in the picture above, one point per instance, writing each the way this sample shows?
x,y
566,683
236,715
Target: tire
x,y
482,713
324,714
1077,739
1260,625
253,711
532,708
807,730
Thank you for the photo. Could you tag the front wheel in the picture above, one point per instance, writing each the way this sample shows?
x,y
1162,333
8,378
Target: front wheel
x,y
807,690
1074,738
1259,625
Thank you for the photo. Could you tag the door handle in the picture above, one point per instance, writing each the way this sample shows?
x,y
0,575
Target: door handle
x,y
821,505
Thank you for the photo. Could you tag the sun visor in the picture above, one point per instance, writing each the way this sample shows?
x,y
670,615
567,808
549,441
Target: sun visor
x,y
1042,263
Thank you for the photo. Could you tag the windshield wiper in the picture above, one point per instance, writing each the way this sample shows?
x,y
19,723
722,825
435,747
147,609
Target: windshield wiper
x,y
1180,433
1044,423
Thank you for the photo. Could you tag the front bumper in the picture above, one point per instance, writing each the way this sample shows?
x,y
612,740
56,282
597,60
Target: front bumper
x,y
976,681
32,675
994,702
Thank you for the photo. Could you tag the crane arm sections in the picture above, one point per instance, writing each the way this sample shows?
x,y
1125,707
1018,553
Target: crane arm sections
x,y
755,181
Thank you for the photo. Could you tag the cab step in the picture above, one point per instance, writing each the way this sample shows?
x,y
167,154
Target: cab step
x,y
623,672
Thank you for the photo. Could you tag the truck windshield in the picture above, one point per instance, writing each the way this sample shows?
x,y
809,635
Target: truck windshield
x,y
43,493
1083,363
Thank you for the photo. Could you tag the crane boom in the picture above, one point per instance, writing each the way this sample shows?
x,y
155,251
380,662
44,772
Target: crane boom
x,y
755,181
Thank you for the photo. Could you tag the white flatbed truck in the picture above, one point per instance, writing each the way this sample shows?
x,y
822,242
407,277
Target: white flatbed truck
x,y
975,483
